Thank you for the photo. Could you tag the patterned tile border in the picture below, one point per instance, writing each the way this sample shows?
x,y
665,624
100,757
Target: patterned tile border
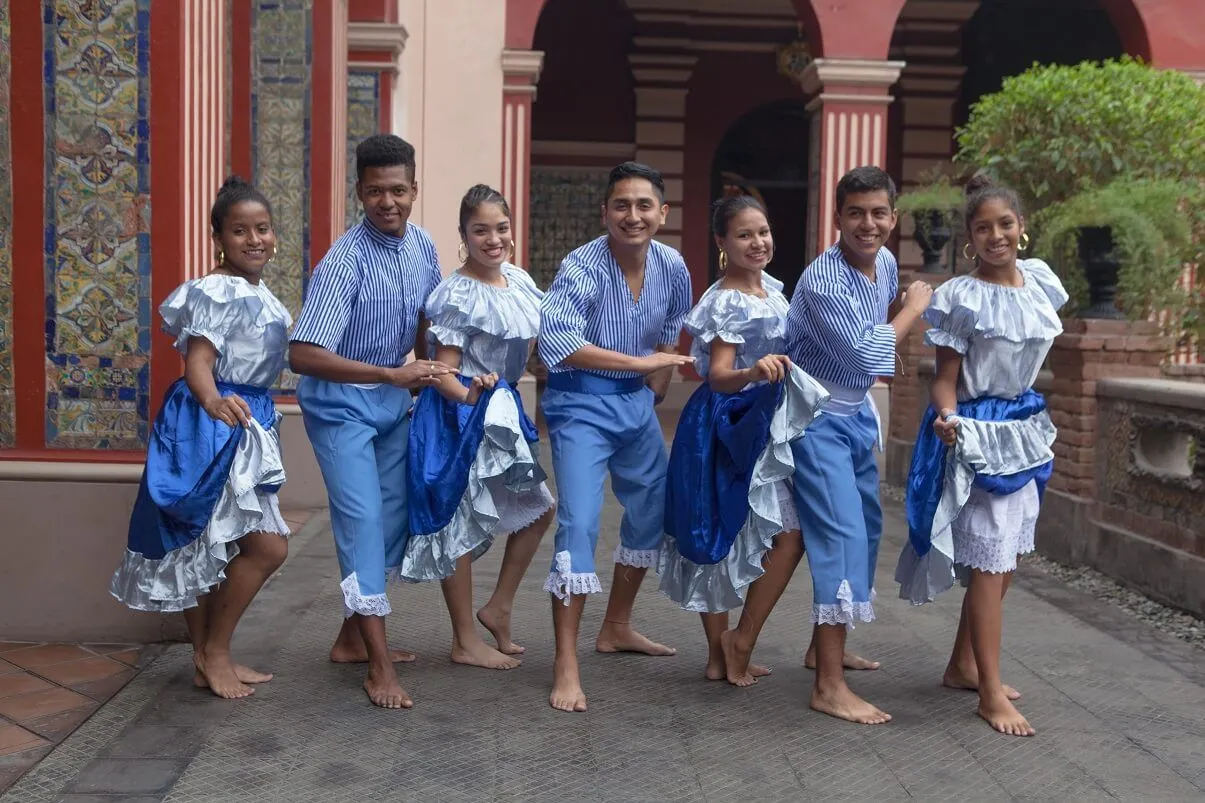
x,y
7,412
363,120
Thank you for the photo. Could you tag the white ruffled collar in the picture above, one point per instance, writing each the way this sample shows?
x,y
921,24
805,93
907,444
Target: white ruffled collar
x,y
463,303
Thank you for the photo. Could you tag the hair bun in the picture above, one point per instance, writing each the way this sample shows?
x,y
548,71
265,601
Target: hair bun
x,y
233,182
978,183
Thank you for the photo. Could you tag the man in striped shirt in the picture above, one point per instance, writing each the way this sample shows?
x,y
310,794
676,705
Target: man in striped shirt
x,y
362,316
609,332
838,331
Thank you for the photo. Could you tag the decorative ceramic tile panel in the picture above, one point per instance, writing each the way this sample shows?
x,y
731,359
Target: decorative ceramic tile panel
x,y
7,413
97,229
363,120
280,111
564,214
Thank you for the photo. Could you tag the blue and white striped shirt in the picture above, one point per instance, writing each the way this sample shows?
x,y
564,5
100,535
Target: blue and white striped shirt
x,y
837,328
366,294
590,303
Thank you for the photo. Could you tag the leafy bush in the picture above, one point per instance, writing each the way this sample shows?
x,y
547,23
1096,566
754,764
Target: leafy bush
x,y
1055,131
1156,226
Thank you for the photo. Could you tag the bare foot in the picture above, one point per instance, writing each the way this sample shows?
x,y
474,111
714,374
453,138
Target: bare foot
x,y
842,703
717,670
498,623
219,677
245,674
385,691
352,655
478,653
567,694
848,660
1003,716
622,638
955,678
736,660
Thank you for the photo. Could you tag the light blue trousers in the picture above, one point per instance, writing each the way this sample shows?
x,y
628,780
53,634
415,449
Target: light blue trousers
x,y
592,434
837,499
359,437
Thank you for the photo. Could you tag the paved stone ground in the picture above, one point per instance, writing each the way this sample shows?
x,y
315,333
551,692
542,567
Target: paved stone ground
x,y
1120,710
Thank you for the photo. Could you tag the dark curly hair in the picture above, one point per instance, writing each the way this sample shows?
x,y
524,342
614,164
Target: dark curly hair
x,y
384,150
234,191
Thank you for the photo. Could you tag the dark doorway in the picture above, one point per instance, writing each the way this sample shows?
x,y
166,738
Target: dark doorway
x,y
1006,38
765,154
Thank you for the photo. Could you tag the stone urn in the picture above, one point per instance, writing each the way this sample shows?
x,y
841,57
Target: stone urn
x,y
931,234
1100,265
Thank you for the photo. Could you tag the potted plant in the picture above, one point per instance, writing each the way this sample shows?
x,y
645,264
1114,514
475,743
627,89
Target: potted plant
x,y
936,212
1121,249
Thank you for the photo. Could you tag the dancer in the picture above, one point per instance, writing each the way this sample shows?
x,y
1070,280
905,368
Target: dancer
x,y
609,329
206,532
972,511
732,535
362,315
473,473
837,331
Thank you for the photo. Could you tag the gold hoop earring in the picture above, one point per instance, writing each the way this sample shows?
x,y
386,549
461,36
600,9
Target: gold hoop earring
x,y
1024,241
513,248
221,255
723,261
462,253
966,252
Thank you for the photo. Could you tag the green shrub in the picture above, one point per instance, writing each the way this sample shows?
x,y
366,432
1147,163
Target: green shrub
x,y
1055,131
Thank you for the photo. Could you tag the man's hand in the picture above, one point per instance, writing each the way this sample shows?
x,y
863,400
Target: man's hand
x,y
418,374
659,360
918,296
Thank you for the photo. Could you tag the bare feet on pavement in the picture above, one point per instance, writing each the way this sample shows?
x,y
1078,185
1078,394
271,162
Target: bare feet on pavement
x,y
220,678
245,674
842,703
477,653
567,694
1003,716
498,623
617,637
384,690
956,678
849,661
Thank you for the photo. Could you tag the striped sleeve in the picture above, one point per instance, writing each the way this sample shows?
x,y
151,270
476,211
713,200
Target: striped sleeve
x,y
564,311
328,306
836,316
679,305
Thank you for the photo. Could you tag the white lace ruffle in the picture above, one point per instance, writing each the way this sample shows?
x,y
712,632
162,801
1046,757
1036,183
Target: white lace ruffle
x,y
363,604
991,531
845,611
563,582
786,506
636,558
518,511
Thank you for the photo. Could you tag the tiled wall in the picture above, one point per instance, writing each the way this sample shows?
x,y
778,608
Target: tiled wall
x,y
363,120
280,108
97,223
564,213
7,416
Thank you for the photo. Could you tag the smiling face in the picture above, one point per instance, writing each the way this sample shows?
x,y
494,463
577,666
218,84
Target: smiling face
x,y
866,220
748,243
634,212
996,231
247,239
487,235
388,194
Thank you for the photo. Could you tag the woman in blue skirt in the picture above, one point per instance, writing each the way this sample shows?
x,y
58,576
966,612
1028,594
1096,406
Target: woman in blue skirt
x,y
472,466
206,531
732,535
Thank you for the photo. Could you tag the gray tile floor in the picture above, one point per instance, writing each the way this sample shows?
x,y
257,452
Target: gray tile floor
x,y
1120,710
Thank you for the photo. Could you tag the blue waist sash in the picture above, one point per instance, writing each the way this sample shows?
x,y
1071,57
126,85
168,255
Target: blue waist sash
x,y
187,463
717,443
586,382
927,472
444,439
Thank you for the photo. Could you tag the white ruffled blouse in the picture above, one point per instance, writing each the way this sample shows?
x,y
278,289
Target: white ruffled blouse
x,y
247,325
492,326
1003,333
756,326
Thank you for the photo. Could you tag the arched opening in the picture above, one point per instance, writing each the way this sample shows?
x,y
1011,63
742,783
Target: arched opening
x,y
583,123
765,154
1006,37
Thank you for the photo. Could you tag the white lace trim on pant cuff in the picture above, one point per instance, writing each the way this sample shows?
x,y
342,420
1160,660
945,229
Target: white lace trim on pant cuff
x,y
365,605
637,558
564,583
845,611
